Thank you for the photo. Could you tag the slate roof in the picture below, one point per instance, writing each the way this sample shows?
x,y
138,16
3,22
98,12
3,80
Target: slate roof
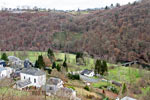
x,y
22,84
54,81
33,71
67,90
86,71
13,58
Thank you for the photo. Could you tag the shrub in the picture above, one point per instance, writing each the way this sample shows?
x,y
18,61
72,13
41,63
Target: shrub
x,y
74,77
49,71
71,87
87,88
113,89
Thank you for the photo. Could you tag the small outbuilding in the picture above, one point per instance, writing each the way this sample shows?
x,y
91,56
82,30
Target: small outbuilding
x,y
88,73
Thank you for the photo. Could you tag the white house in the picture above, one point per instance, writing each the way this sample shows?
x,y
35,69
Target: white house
x,y
5,72
31,77
54,86
88,73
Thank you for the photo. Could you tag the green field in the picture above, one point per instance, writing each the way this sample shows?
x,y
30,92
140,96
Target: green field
x,y
71,58
124,74
10,91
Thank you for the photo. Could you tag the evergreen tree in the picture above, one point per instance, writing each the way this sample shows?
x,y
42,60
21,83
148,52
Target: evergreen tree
x,y
96,67
50,55
106,7
58,67
65,57
36,64
124,89
49,71
65,66
40,62
99,67
104,67
54,65
4,57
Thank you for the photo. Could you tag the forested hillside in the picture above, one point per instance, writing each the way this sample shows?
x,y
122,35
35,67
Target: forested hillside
x,y
121,33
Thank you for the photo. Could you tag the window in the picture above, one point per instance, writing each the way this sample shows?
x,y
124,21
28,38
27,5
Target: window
x,y
29,78
24,77
34,80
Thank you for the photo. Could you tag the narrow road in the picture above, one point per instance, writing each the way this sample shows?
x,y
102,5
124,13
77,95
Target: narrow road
x,y
89,79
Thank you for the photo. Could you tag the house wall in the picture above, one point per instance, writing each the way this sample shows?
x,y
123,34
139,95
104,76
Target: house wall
x,y
90,75
40,80
9,71
1,65
60,85
3,73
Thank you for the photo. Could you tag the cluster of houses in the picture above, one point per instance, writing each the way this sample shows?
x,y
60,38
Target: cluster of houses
x,y
34,77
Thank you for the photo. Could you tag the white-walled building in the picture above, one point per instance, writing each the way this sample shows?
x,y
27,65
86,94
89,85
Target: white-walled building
x,y
5,72
31,77
88,73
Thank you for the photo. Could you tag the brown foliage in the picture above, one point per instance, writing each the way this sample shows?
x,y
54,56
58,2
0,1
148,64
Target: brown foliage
x,y
115,34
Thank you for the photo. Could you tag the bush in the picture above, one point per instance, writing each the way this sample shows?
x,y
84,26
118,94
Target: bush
x,y
87,88
74,77
113,89
71,87
49,71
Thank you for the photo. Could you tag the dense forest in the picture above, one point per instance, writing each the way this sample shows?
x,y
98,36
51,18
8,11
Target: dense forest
x,y
121,33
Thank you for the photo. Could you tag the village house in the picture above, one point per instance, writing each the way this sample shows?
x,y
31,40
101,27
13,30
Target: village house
x,y
5,72
88,73
56,82
52,86
15,62
31,77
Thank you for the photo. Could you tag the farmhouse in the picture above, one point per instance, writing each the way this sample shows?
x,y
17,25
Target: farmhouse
x,y
31,77
88,73
5,72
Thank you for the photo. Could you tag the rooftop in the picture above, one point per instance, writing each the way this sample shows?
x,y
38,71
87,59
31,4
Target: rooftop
x,y
33,71
13,58
54,81
86,71
22,84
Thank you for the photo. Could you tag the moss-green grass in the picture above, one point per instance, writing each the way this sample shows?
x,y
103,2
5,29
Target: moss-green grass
x,y
8,91
124,74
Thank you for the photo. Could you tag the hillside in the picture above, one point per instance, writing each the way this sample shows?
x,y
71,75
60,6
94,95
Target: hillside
x,y
116,34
